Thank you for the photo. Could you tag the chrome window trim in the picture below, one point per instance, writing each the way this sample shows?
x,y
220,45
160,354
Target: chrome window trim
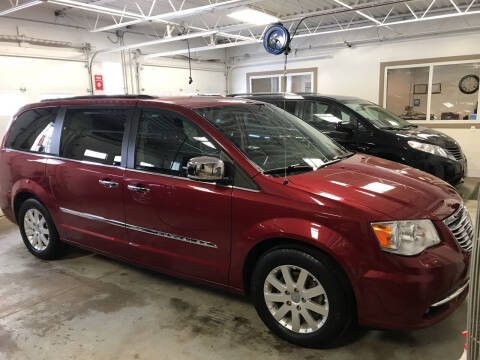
x,y
140,228
451,296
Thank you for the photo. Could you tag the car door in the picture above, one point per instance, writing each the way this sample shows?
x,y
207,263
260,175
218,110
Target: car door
x,y
87,178
179,225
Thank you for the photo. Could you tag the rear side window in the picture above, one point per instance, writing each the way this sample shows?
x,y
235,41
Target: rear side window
x,y
94,135
33,131
166,141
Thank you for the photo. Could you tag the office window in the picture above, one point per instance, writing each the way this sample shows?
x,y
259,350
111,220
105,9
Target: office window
x,y
433,91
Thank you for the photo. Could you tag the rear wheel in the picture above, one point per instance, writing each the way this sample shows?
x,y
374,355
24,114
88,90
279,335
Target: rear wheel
x,y
38,230
302,298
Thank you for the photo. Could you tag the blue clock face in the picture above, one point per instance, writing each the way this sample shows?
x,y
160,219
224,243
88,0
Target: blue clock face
x,y
469,84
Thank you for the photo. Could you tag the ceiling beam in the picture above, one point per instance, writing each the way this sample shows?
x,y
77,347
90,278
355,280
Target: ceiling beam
x,y
344,29
161,41
178,14
21,7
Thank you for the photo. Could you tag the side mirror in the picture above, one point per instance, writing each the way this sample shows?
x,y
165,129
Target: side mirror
x,y
206,168
345,127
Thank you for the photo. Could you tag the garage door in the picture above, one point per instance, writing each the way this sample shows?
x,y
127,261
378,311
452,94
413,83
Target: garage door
x,y
25,80
163,81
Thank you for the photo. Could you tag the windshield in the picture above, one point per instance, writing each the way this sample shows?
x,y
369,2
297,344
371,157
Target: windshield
x,y
378,116
274,140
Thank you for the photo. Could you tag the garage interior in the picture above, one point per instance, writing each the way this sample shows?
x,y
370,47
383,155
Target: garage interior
x,y
407,56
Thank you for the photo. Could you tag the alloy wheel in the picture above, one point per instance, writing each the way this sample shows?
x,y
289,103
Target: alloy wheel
x,y
36,229
296,299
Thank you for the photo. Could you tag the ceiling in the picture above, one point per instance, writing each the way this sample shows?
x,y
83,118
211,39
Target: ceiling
x,y
207,21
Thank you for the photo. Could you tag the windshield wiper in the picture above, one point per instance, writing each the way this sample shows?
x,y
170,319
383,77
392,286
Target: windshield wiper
x,y
288,169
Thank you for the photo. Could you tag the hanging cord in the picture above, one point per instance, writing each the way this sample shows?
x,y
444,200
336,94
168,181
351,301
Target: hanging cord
x,y
190,80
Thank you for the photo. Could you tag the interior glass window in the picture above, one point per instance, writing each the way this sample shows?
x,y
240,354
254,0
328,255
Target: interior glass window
x,y
33,130
94,135
166,141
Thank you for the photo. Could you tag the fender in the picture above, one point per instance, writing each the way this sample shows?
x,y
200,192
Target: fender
x,y
277,230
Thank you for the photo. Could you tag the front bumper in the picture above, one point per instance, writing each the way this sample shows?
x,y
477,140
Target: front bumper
x,y
451,171
415,292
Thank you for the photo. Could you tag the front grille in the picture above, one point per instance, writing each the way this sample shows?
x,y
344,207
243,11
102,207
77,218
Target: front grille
x,y
455,151
461,227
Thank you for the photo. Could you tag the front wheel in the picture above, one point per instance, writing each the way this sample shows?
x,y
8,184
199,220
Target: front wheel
x,y
301,298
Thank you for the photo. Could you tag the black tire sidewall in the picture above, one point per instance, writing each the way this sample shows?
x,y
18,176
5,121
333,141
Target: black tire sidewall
x,y
54,246
340,314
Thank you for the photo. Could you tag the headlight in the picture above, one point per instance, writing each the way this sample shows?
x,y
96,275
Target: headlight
x,y
432,149
409,237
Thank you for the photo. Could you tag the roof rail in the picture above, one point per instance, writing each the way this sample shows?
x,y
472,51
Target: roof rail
x,y
86,97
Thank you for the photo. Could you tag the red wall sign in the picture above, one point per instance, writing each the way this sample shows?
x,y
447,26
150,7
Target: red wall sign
x,y
98,82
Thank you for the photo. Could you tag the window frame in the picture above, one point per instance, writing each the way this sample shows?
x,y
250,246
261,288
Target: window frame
x,y
431,64
126,133
132,148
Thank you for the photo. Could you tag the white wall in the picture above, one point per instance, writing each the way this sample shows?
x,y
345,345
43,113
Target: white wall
x,y
32,71
356,71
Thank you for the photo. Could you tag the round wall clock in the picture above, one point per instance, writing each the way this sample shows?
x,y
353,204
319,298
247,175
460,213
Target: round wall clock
x,y
468,84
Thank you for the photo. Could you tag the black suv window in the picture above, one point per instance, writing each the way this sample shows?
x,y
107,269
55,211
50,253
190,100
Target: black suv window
x,y
287,105
94,135
325,115
33,130
166,141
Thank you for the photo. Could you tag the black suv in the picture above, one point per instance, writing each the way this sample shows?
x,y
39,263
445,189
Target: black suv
x,y
363,126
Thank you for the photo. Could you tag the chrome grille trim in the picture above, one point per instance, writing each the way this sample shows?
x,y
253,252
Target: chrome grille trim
x,y
461,227
455,151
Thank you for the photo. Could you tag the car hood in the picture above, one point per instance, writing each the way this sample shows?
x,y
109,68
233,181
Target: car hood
x,y
391,190
426,135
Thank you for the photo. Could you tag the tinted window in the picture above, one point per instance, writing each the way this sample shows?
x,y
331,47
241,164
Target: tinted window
x,y
378,116
289,106
94,135
324,116
33,130
166,141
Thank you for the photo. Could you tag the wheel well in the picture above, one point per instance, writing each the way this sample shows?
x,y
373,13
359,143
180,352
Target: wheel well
x,y
19,199
268,245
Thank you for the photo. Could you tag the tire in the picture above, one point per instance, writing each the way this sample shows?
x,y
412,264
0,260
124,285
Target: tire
x,y
38,230
326,298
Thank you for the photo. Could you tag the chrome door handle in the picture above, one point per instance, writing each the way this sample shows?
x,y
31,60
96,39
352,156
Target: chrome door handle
x,y
108,183
139,189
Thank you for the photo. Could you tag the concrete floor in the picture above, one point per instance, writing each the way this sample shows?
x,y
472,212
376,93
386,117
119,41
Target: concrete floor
x,y
86,306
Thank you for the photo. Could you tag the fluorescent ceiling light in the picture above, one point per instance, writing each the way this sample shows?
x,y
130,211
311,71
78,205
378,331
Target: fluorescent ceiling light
x,y
253,16
20,7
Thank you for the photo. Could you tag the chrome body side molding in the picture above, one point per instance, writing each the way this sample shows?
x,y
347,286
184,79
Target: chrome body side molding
x,y
139,228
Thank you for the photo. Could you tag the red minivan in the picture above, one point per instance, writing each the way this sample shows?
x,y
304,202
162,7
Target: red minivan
x,y
244,196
